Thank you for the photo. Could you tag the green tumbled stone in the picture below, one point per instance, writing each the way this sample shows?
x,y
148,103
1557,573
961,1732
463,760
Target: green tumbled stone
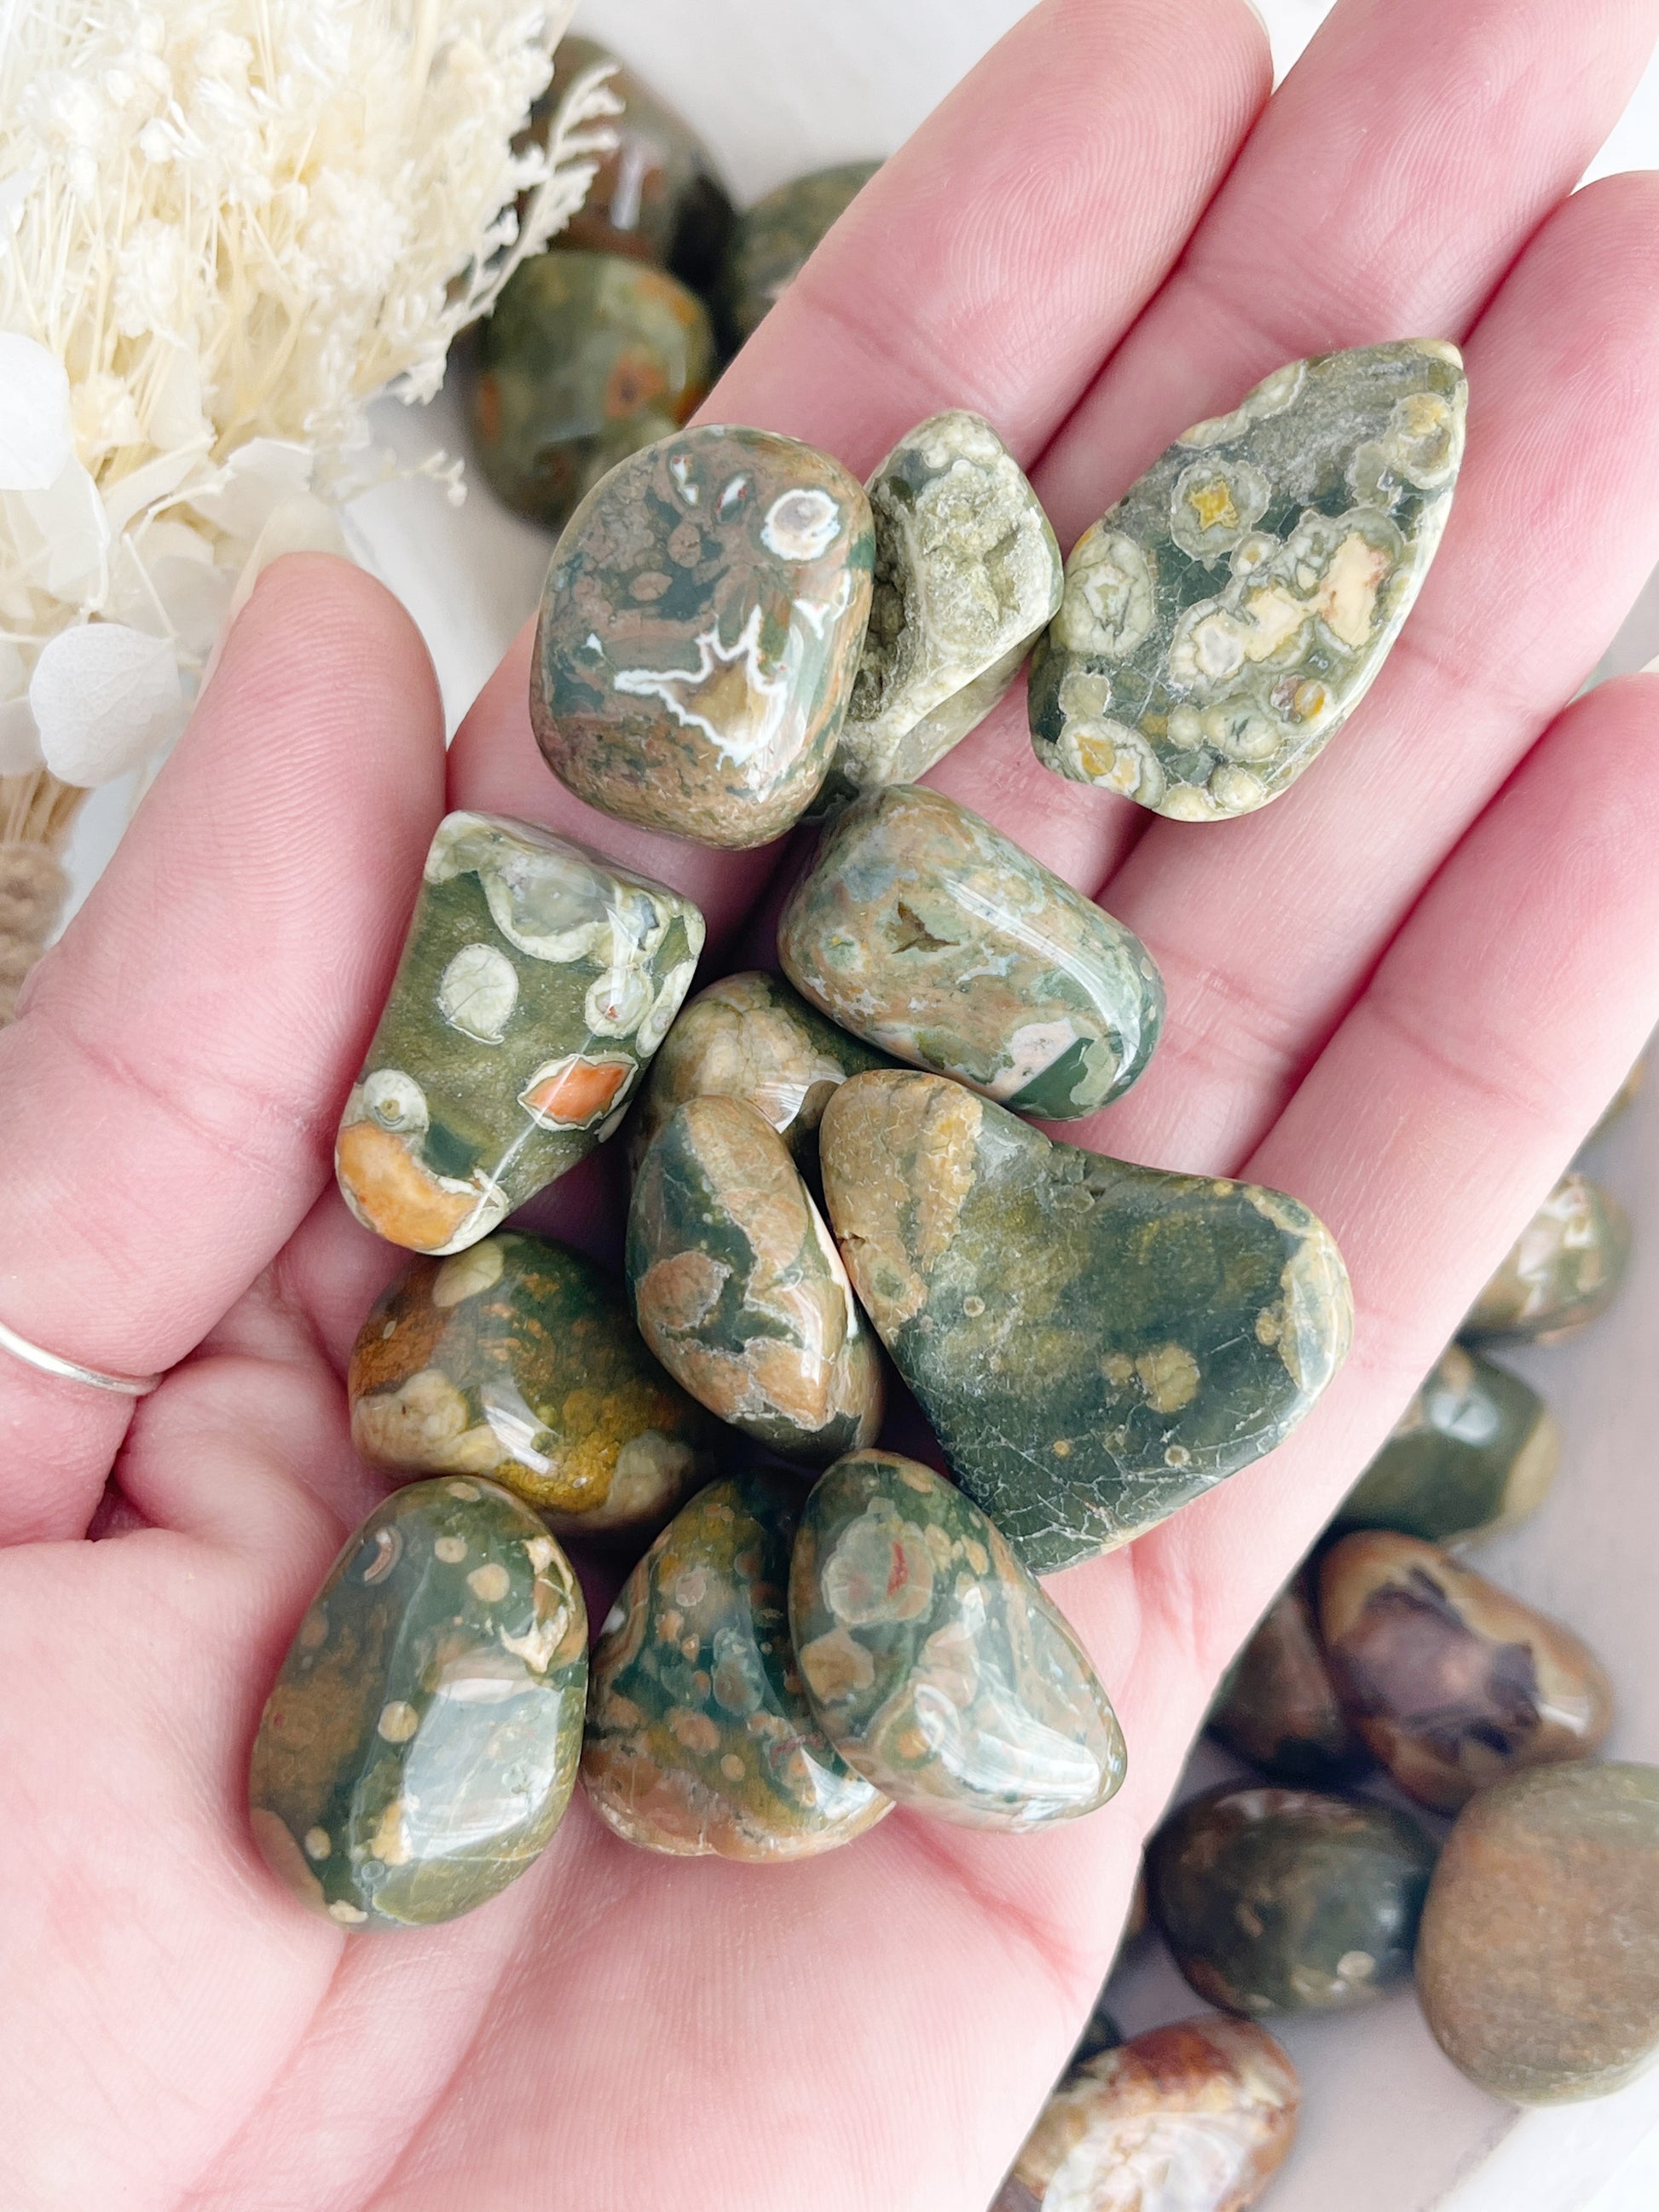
x,y
932,1660
1094,1343
520,1358
655,195
1278,1709
420,1744
1474,1453
1564,1269
740,1290
968,574
700,632
925,930
751,1037
698,1738
772,241
588,358
1289,1900
1538,1965
1222,620
536,981
1451,1682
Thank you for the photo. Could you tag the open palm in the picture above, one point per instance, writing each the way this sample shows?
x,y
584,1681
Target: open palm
x,y
1402,992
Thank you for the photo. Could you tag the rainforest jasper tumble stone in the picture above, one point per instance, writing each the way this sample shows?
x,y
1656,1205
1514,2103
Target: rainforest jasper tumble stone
x,y
1452,1682
587,358
698,1738
932,1660
1279,1708
1473,1452
699,631
1222,620
1538,1965
655,195
1562,1270
751,1037
1093,1343
926,930
1289,1900
968,574
536,981
1196,2117
772,241
420,1744
520,1358
738,1288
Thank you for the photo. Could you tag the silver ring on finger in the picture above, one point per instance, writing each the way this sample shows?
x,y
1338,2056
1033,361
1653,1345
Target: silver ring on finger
x,y
71,1370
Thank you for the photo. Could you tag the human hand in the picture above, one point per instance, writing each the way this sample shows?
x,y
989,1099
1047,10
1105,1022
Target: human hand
x,y
1402,992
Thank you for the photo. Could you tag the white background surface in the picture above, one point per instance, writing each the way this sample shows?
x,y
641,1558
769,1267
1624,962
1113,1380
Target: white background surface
x,y
780,87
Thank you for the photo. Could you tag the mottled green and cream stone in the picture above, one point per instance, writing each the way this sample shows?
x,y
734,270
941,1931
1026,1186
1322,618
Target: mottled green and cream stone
x,y
1223,619
740,1290
929,933
772,241
1094,1343
1472,1454
699,631
1451,1682
968,576
588,358
422,1741
1538,1965
536,981
934,1663
1562,1270
700,1739
1278,1709
519,1358
751,1036
1289,1900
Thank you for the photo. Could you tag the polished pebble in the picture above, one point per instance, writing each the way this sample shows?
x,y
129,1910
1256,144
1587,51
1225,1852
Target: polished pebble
x,y
1288,1900
588,358
1197,2117
699,635
967,575
929,933
1279,1710
1472,1454
700,1739
1562,1270
1222,620
740,1290
1093,1343
536,981
1538,1965
520,1358
1451,1682
751,1036
771,242
932,1660
420,1744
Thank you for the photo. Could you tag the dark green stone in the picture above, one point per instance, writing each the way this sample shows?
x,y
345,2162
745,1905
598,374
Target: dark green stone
x,y
1473,1452
588,358
1564,1269
1289,1900
931,934
519,1358
1222,620
932,1660
420,1744
700,1739
1094,1343
771,242
1278,1709
536,981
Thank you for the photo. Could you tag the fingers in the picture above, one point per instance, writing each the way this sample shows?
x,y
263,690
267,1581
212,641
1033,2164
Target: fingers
x,y
172,1084
1545,550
